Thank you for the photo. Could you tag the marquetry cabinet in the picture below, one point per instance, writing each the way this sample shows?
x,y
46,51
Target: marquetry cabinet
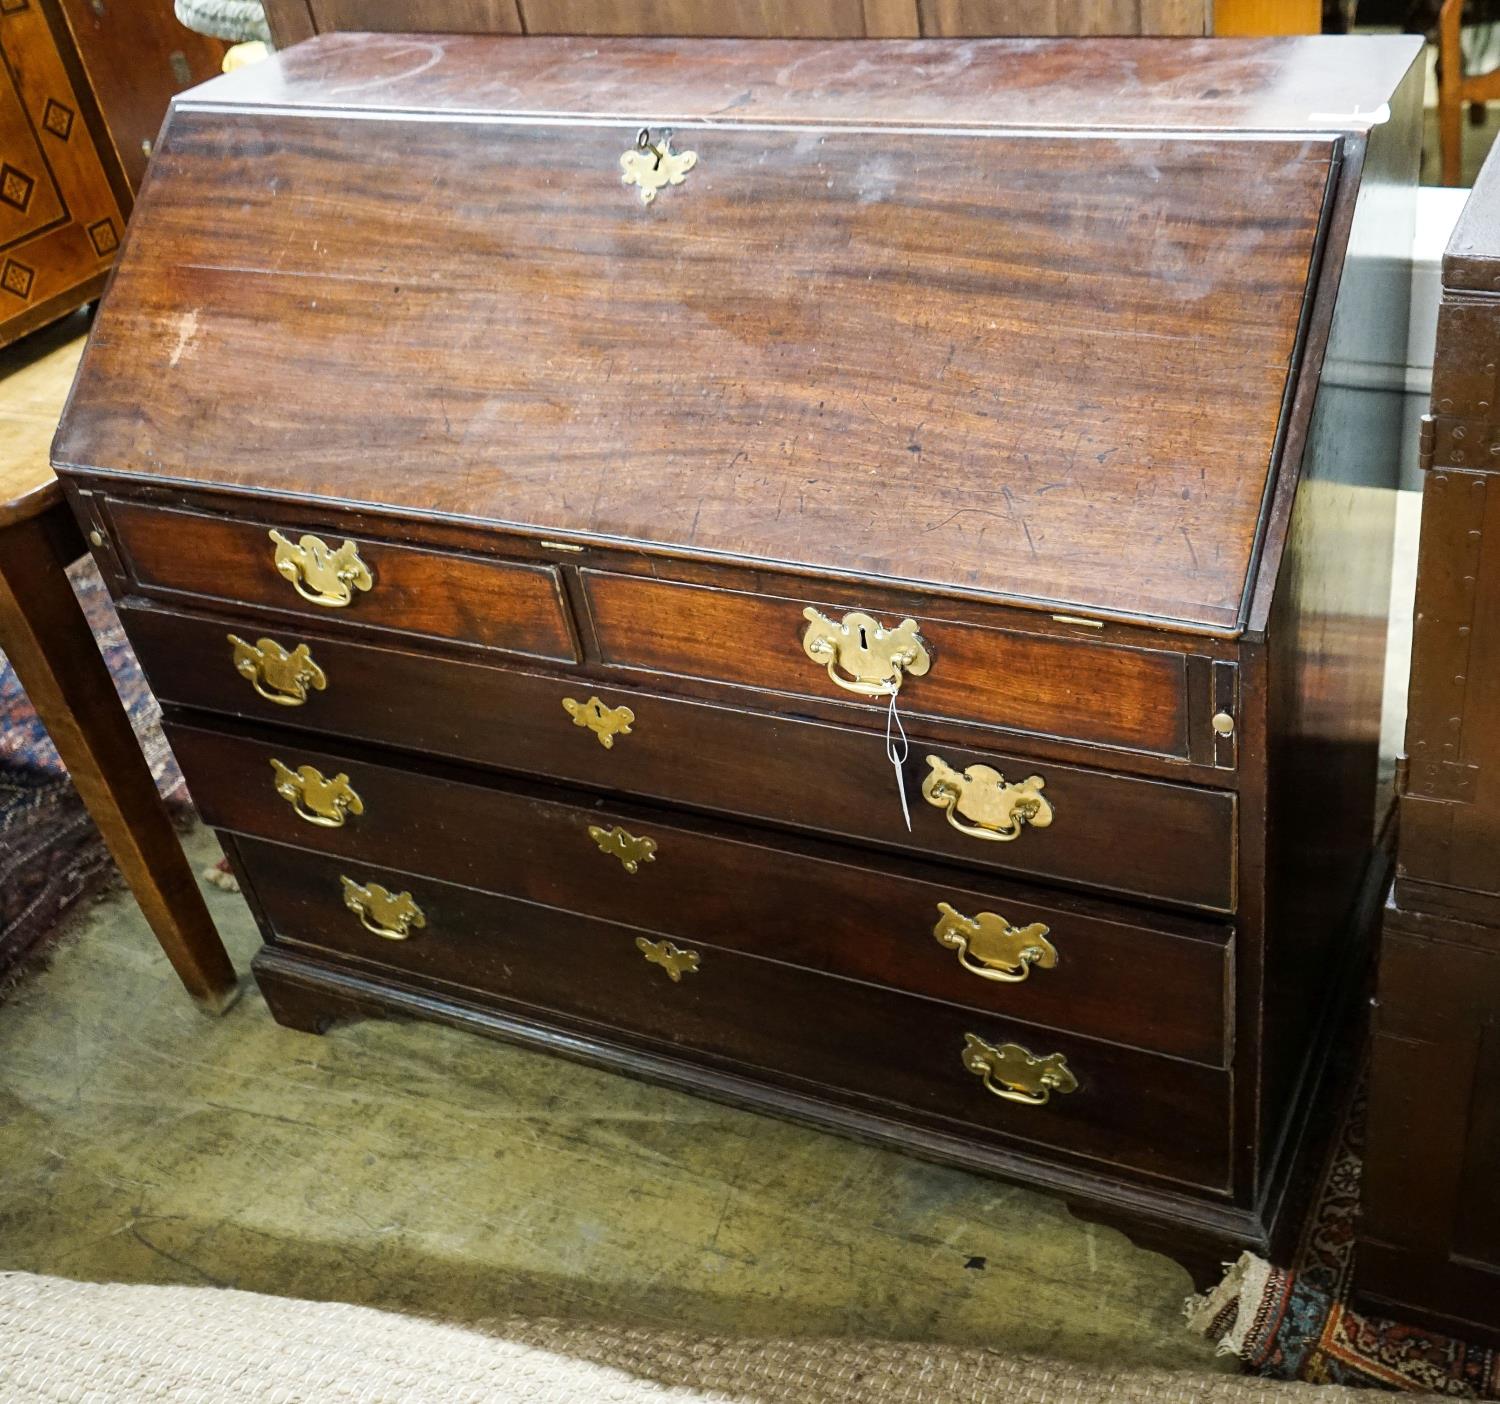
x,y
846,577
83,87
1430,1231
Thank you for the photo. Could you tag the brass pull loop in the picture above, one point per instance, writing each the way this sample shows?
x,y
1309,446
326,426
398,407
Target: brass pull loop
x,y
319,573
605,722
315,799
997,810
630,850
278,676
862,655
671,957
1012,1073
390,915
990,947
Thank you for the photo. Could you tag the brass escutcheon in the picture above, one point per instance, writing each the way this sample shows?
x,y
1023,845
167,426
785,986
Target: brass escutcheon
x,y
605,722
278,676
996,809
862,655
651,165
990,947
382,912
631,851
1011,1072
319,573
326,803
672,958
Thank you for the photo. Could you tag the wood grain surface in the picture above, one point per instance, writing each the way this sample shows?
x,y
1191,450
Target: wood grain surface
x,y
877,394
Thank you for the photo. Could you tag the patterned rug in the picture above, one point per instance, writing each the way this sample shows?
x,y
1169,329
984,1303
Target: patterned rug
x,y
51,855
1296,1323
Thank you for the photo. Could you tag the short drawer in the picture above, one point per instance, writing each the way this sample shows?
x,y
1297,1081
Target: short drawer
x,y
842,1039
194,558
1106,694
1114,833
1110,971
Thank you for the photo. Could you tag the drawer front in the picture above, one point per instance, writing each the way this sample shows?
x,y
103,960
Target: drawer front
x,y
1131,698
842,1037
1155,982
512,606
1118,834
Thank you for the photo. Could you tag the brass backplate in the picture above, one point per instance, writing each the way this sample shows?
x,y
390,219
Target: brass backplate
x,y
990,947
605,722
320,573
672,958
630,850
280,677
993,807
1011,1072
392,915
861,654
653,165
318,800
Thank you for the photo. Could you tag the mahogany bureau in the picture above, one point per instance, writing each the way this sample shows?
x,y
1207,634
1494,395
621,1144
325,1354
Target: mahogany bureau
x,y
1429,1242
530,470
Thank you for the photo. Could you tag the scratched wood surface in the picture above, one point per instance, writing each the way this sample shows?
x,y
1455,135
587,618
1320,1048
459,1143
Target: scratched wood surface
x,y
1311,82
830,349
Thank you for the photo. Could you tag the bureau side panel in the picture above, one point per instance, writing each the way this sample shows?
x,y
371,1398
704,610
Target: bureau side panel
x,y
1326,635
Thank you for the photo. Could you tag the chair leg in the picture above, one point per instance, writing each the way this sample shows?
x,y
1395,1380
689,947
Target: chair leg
x,y
1450,91
47,639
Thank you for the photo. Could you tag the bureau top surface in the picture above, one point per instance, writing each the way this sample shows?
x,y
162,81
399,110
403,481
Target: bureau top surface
x,y
911,315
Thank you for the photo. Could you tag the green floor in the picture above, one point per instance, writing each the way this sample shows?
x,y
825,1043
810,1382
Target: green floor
x,y
423,1169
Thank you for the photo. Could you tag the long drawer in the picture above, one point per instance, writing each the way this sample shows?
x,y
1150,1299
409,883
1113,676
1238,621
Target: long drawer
x,y
942,1065
1157,982
1115,833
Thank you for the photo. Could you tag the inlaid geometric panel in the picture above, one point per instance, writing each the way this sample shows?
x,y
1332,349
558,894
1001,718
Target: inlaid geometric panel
x,y
104,236
16,278
15,187
57,118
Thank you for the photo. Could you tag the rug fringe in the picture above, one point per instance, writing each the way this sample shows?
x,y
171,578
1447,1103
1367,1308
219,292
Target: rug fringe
x,y
218,875
1228,1312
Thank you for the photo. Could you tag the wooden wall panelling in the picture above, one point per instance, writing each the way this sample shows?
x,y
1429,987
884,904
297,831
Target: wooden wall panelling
x,y
995,18
294,20
439,16
751,19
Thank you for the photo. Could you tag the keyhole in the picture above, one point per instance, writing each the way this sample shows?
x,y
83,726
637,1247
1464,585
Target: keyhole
x,y
863,641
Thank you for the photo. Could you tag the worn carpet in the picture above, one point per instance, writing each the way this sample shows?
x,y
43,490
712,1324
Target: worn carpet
x,y
1295,1323
65,1341
51,855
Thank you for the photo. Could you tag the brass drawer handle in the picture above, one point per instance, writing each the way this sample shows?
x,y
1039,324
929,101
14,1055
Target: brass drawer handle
x,y
313,797
280,677
321,574
672,958
862,655
381,912
990,947
605,722
630,850
996,809
1009,1071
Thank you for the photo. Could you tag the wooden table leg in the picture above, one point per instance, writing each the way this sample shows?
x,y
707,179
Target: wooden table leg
x,y
47,639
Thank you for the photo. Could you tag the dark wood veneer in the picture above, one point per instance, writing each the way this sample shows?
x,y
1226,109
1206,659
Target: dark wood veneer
x,y
760,765
1429,1244
1040,345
